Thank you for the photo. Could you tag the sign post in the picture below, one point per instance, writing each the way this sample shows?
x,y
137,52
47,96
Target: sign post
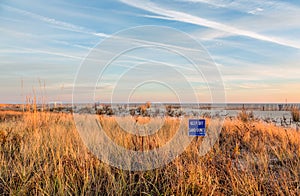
x,y
197,127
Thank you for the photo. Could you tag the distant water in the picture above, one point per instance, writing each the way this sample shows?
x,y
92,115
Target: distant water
x,y
225,106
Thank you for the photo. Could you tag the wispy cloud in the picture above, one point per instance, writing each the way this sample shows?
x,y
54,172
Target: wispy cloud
x,y
56,23
21,50
61,54
168,14
259,15
252,7
255,7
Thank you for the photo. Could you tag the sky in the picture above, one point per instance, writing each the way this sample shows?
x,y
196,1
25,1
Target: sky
x,y
255,46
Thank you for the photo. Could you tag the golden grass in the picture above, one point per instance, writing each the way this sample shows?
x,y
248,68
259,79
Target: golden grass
x,y
42,153
140,143
295,114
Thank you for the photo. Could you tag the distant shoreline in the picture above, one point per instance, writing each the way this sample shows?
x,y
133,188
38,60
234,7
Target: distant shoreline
x,y
184,103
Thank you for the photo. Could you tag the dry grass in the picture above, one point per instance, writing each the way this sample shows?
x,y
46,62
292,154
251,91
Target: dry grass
x,y
245,116
295,114
41,153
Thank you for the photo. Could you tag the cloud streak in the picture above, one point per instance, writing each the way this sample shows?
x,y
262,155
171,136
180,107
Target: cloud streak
x,y
251,7
168,14
255,7
56,23
20,50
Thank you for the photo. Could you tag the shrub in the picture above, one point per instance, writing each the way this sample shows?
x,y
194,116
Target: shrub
x,y
245,116
295,114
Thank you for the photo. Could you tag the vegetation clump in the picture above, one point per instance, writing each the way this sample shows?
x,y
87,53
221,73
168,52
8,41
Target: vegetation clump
x,y
295,114
245,116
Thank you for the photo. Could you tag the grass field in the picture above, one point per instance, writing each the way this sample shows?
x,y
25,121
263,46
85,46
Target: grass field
x,y
42,153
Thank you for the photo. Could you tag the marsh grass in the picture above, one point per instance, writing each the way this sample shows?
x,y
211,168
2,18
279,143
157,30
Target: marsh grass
x,y
42,153
245,116
141,143
295,114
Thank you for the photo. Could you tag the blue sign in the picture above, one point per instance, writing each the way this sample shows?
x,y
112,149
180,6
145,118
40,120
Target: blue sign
x,y
196,127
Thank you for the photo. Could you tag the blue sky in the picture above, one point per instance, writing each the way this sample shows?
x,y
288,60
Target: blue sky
x,y
255,44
